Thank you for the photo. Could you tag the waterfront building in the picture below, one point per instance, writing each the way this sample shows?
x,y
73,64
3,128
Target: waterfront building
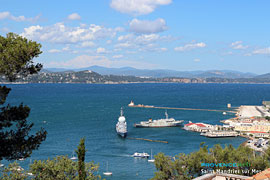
x,y
198,127
258,134
247,127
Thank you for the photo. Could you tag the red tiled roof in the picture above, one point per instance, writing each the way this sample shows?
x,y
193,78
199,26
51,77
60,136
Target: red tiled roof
x,y
189,124
201,125
256,132
197,124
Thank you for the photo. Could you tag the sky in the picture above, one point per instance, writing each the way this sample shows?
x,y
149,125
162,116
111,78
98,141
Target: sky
x,y
184,35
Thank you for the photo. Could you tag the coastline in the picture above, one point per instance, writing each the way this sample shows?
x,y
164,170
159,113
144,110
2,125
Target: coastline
x,y
147,82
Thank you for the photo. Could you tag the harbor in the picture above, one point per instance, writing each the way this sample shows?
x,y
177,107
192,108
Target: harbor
x,y
103,143
249,121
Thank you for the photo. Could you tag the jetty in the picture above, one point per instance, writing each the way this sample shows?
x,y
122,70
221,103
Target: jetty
x,y
131,104
166,142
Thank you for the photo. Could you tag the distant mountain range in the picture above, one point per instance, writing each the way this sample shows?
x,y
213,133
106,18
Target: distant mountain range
x,y
161,73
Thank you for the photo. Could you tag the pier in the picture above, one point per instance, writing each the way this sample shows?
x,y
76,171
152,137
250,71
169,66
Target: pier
x,y
186,109
166,142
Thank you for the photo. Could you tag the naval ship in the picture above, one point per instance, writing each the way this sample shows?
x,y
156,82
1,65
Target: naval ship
x,y
121,126
167,122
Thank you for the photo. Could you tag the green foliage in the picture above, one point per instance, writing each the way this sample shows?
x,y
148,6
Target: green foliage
x,y
61,167
58,168
16,56
13,171
188,166
81,157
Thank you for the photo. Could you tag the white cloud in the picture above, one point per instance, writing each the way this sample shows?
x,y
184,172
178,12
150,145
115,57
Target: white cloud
x,y
109,41
74,16
147,27
137,7
64,49
188,47
54,51
124,45
60,33
86,61
144,42
262,51
67,48
163,49
101,50
197,60
88,44
238,45
8,15
118,56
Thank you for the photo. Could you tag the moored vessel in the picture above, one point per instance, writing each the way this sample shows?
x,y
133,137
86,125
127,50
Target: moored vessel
x,y
151,159
121,126
107,173
167,122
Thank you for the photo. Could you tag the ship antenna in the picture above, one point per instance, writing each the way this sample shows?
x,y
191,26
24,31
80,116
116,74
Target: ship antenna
x,y
121,111
166,114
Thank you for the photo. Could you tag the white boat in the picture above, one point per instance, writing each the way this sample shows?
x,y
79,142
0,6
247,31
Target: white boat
x,y
151,160
21,159
30,174
121,126
167,122
141,155
2,165
107,173
73,156
224,113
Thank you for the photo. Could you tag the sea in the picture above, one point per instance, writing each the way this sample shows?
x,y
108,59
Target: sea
x,y
72,111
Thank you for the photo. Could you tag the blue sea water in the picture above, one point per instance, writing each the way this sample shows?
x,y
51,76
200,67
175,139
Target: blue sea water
x,y
73,111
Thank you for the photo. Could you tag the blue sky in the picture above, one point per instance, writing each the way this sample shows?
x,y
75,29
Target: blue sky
x,y
181,35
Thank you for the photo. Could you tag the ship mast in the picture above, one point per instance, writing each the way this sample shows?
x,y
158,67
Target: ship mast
x,y
121,111
166,114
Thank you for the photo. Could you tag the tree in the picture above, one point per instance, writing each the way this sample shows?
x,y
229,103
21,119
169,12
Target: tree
x,y
81,157
189,166
13,171
61,167
16,59
16,56
58,168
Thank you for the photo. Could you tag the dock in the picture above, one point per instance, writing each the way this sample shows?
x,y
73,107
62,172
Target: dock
x,y
219,134
186,109
166,142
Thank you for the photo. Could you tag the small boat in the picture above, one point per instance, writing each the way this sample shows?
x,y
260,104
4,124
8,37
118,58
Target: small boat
x,y
107,173
151,159
2,165
30,174
73,156
18,168
224,113
141,155
21,159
